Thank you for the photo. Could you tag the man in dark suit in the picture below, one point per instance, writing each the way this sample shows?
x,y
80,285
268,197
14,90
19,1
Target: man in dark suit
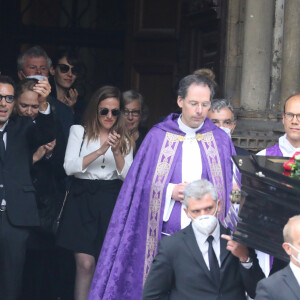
x,y
285,284
18,211
202,261
221,113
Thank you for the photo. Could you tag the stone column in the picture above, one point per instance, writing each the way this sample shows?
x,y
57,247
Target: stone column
x,y
276,70
257,54
234,49
291,50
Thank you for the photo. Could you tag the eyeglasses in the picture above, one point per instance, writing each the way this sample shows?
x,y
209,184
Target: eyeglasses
x,y
8,98
65,69
105,111
134,113
290,116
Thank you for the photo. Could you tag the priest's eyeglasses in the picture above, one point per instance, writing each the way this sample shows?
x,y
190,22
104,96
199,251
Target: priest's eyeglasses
x,y
8,98
134,113
290,116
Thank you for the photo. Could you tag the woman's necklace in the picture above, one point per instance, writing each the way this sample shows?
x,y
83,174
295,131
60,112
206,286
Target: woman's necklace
x,y
103,161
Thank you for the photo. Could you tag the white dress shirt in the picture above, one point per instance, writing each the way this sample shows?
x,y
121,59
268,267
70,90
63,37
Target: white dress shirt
x,y
203,243
296,271
103,168
191,157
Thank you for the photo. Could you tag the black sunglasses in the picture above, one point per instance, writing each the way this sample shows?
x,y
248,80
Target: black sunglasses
x,y
8,98
105,111
65,69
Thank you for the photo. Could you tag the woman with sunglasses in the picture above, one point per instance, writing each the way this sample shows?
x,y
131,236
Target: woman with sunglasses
x,y
64,97
99,155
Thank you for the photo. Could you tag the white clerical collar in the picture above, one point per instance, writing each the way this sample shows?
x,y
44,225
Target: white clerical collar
x,y
186,129
296,271
286,148
201,238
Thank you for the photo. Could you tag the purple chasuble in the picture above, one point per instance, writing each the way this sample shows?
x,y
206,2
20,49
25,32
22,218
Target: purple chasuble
x,y
274,151
135,227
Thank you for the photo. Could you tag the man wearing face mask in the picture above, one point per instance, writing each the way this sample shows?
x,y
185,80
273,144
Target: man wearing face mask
x,y
221,113
285,284
202,261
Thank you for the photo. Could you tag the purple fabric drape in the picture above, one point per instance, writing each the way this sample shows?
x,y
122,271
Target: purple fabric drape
x,y
274,151
120,270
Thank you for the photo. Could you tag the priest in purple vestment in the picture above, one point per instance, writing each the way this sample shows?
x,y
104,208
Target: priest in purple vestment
x,y
181,149
287,145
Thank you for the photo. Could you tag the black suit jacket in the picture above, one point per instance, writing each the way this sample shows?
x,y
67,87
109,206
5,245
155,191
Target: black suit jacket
x,y
179,272
23,136
281,285
241,151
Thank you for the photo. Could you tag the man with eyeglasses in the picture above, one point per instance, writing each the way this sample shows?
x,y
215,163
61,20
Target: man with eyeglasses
x,y
289,143
221,113
183,148
19,136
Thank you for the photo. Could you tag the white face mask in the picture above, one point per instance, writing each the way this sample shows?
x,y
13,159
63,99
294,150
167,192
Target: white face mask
x,y
298,256
227,130
206,223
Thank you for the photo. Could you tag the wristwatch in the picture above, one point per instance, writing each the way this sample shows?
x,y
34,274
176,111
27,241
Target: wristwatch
x,y
249,260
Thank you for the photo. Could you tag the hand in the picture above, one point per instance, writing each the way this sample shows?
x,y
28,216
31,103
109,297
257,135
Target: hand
x,y
103,148
114,141
72,99
237,249
49,147
43,88
177,193
38,154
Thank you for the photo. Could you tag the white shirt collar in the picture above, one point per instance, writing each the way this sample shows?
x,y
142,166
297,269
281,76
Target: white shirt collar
x,y
286,148
186,129
201,238
296,271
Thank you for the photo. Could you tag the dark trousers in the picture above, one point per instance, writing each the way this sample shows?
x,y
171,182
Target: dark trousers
x,y
12,257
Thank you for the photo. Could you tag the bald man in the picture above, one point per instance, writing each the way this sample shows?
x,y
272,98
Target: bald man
x,y
285,284
289,143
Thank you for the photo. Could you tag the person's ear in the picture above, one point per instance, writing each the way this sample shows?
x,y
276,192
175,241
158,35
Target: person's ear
x,y
219,206
179,101
187,213
287,248
21,75
233,127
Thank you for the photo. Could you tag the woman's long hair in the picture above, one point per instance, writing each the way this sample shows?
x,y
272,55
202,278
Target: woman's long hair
x,y
91,122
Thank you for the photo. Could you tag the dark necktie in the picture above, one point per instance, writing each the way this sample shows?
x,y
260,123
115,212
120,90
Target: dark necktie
x,y
213,262
2,146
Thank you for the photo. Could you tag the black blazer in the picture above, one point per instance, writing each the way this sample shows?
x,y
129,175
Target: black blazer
x,y
23,136
281,285
179,272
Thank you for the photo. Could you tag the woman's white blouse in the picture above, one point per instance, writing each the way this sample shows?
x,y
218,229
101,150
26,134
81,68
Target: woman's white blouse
x,y
73,159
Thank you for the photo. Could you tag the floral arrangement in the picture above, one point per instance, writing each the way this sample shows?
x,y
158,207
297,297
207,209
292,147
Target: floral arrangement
x,y
292,167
